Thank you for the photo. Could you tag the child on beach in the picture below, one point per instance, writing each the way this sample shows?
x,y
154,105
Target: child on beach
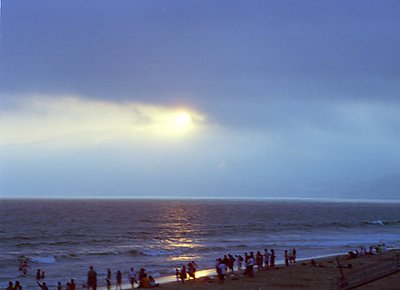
x,y
153,282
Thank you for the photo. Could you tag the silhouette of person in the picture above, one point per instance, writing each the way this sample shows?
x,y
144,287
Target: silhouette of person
x,y
92,279
108,279
17,286
119,280
10,286
43,285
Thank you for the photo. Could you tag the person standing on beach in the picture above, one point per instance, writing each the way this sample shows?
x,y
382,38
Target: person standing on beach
x,y
191,271
221,270
119,280
259,260
231,263
72,285
10,286
108,279
294,252
250,266
92,279
17,286
291,257
240,262
272,261
195,267
183,273
38,275
286,258
267,255
59,286
132,278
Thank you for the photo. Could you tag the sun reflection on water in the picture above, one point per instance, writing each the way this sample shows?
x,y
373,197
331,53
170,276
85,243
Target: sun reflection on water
x,y
176,224
183,258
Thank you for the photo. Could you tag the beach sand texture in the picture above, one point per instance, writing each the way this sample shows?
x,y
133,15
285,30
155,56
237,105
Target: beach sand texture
x,y
302,275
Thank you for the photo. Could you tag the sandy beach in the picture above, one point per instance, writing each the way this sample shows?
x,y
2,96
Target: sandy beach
x,y
301,275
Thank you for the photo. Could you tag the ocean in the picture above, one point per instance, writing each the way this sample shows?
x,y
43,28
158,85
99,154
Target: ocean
x,y
64,237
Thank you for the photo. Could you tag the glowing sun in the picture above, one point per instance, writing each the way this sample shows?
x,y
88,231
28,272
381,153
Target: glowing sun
x,y
183,120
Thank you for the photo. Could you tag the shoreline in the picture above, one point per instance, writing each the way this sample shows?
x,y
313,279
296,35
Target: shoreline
x,y
208,276
211,273
300,275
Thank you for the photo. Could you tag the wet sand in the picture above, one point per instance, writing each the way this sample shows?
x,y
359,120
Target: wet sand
x,y
301,275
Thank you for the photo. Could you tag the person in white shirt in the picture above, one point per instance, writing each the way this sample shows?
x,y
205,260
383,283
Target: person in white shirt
x,y
250,266
221,270
132,278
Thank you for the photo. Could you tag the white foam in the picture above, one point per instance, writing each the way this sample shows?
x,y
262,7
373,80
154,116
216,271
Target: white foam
x,y
44,260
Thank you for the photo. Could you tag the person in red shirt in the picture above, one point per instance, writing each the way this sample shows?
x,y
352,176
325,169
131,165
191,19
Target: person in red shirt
x,y
92,279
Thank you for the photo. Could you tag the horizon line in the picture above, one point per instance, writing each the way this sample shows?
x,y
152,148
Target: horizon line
x,y
227,198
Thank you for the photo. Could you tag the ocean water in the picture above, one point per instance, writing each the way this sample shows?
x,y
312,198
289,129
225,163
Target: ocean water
x,y
64,237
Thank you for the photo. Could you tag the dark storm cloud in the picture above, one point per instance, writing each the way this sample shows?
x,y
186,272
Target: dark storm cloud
x,y
200,51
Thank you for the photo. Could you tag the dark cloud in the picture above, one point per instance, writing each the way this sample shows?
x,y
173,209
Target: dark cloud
x,y
197,51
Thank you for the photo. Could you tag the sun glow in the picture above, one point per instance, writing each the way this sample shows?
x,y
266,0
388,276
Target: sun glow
x,y
74,120
183,120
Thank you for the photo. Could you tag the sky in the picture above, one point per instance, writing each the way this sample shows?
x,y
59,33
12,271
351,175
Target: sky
x,y
194,99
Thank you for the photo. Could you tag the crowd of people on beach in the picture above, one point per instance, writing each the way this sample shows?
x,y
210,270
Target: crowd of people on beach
x,y
262,261
140,280
186,273
373,250
224,267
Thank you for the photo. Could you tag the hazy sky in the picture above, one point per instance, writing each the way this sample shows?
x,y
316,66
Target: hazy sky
x,y
200,98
